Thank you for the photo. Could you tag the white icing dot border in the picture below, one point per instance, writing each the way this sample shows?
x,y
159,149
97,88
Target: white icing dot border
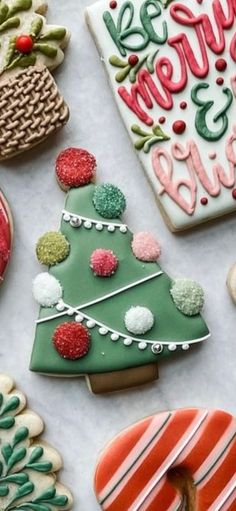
x,y
157,347
77,221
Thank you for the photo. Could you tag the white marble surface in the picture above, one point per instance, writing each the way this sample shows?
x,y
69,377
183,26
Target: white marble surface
x,y
77,423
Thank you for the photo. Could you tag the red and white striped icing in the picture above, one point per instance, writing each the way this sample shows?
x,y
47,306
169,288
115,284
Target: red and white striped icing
x,y
132,472
5,236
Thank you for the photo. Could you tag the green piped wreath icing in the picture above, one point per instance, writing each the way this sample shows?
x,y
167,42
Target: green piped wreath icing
x,y
84,299
27,481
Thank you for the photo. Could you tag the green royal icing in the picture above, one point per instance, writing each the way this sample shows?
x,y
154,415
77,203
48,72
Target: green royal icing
x,y
15,463
127,69
148,139
204,106
81,286
124,31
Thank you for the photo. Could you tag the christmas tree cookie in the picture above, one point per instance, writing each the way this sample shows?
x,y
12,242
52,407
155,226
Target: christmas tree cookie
x,y
172,461
171,66
108,310
28,466
6,235
31,106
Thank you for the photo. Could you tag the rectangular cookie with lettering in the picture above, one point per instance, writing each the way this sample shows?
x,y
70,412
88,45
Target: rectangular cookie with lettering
x,y
171,68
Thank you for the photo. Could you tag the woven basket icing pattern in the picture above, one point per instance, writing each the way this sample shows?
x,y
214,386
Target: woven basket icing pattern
x,y
31,108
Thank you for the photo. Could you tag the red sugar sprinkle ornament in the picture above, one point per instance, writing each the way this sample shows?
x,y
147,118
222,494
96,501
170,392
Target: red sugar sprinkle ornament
x,y
179,127
234,193
75,168
103,262
204,201
24,44
183,105
71,340
162,120
133,60
113,4
221,64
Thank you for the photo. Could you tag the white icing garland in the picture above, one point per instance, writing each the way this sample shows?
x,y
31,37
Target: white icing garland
x,y
156,346
105,297
88,223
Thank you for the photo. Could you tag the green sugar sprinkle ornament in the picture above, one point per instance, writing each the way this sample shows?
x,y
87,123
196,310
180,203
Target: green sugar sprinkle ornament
x,y
188,296
109,201
52,248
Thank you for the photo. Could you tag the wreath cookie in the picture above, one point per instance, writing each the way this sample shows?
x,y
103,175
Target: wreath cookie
x,y
108,310
172,461
6,235
28,466
31,106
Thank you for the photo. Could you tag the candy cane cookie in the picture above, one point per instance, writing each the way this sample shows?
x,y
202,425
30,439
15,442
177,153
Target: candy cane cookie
x,y
6,235
184,460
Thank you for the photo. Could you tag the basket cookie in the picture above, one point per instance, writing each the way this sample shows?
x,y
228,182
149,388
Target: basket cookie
x,y
108,310
28,466
171,66
6,235
180,460
31,106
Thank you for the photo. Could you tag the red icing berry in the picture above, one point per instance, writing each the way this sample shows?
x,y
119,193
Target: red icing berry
x,y
204,201
220,80
103,262
234,193
75,167
221,64
183,105
71,340
113,4
24,44
133,60
179,127
162,120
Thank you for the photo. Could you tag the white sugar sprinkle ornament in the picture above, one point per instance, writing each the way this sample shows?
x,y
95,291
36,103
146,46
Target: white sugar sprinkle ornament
x,y
138,320
47,290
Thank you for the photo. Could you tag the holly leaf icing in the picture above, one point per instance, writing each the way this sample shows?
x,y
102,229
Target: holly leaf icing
x,y
27,481
22,18
148,139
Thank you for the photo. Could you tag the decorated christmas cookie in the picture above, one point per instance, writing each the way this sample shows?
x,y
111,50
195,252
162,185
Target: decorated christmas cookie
x,y
108,310
171,65
6,235
180,460
28,466
231,282
31,106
